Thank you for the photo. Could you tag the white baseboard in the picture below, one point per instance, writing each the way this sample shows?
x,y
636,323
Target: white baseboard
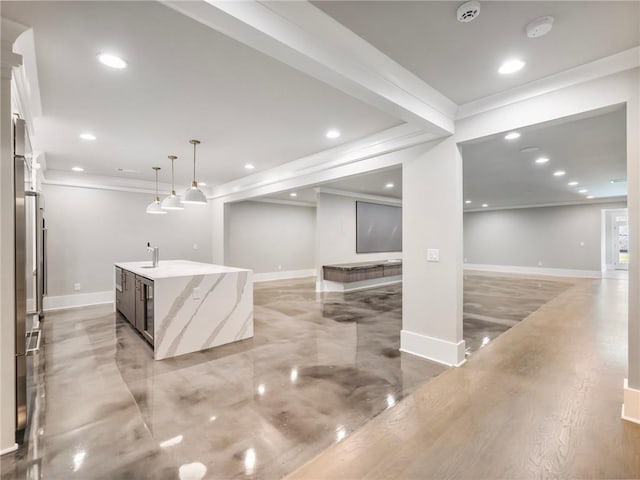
x,y
328,286
9,449
435,349
78,300
554,272
269,276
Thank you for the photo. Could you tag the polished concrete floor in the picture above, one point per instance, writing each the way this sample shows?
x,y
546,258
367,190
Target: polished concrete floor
x,y
318,368
542,401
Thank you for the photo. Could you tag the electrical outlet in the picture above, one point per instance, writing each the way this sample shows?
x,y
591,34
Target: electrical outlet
x,y
196,293
433,255
76,287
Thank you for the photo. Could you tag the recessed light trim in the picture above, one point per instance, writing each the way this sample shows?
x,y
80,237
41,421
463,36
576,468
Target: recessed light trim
x,y
589,197
512,136
249,166
112,61
202,184
559,173
573,183
542,160
583,190
467,202
389,185
485,205
87,136
77,169
293,194
511,66
333,133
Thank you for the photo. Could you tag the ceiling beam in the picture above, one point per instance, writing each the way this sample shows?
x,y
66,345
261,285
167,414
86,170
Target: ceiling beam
x,y
305,38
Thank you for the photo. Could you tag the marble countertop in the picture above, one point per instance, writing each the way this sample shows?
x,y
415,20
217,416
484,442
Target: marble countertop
x,y
363,265
175,268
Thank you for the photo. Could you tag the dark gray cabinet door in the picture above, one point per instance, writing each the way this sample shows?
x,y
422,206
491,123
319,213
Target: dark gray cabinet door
x,y
129,296
144,308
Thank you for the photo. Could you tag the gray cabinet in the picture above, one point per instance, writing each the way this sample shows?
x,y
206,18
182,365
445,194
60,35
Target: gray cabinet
x,y
126,304
144,307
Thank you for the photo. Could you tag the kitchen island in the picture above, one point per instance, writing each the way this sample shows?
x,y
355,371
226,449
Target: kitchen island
x,y
182,307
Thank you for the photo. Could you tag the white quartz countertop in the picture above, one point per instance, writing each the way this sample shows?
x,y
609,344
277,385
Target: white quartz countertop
x,y
175,268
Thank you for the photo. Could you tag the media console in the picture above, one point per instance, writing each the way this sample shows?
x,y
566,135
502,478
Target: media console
x,y
348,277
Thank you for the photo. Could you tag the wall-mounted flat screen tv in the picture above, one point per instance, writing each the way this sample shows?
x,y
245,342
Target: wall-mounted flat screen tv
x,y
378,228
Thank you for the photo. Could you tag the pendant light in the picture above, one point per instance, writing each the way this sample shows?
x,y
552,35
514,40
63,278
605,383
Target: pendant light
x,y
172,201
194,194
154,207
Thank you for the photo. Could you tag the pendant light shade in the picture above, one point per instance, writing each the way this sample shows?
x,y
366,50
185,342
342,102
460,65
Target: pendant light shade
x,y
194,195
154,207
172,201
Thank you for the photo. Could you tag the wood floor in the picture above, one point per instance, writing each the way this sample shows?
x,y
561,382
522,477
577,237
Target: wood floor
x,y
541,401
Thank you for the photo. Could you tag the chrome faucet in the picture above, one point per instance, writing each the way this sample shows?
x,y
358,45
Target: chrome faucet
x,y
155,254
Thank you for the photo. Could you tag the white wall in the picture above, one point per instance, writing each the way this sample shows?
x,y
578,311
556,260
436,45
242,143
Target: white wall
x,y
336,231
270,237
90,229
566,237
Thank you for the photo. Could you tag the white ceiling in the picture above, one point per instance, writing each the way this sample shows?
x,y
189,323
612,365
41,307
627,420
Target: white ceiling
x,y
461,60
372,183
591,150
184,81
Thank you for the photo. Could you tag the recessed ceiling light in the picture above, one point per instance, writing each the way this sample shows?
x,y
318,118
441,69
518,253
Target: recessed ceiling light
x,y
293,194
389,185
590,197
512,136
529,149
467,202
485,205
583,190
87,136
542,160
572,184
202,183
249,166
77,169
125,170
559,173
511,66
112,61
333,133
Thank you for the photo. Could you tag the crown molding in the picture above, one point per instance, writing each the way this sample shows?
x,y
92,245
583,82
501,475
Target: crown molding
x,y
277,201
595,201
361,196
619,62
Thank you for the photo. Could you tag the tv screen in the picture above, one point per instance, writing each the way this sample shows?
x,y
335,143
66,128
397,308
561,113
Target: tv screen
x,y
378,228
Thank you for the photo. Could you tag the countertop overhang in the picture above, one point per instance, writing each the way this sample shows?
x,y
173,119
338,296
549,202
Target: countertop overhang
x,y
176,268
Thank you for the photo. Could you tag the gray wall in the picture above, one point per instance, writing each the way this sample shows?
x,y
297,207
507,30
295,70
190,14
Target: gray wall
x,y
336,232
90,229
270,237
551,237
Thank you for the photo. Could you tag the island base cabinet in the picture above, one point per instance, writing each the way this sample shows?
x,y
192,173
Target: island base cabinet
x,y
126,297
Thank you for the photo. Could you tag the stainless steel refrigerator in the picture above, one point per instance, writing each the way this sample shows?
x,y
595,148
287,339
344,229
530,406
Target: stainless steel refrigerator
x,y
30,270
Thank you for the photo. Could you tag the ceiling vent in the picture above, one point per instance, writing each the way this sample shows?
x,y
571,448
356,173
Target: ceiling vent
x,y
468,11
539,27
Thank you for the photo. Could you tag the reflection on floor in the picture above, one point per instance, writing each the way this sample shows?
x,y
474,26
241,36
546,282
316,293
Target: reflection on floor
x,y
542,401
319,367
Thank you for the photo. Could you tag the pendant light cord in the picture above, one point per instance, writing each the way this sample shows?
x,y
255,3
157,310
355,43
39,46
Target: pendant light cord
x,y
173,188
157,197
194,162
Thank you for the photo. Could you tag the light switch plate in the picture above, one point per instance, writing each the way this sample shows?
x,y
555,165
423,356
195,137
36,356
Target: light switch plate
x,y
196,293
433,254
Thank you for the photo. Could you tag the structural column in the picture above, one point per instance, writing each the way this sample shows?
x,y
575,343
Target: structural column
x,y
631,407
432,254
220,234
9,31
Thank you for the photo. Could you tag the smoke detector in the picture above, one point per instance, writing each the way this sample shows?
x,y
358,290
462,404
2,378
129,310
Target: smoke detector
x,y
539,27
468,11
